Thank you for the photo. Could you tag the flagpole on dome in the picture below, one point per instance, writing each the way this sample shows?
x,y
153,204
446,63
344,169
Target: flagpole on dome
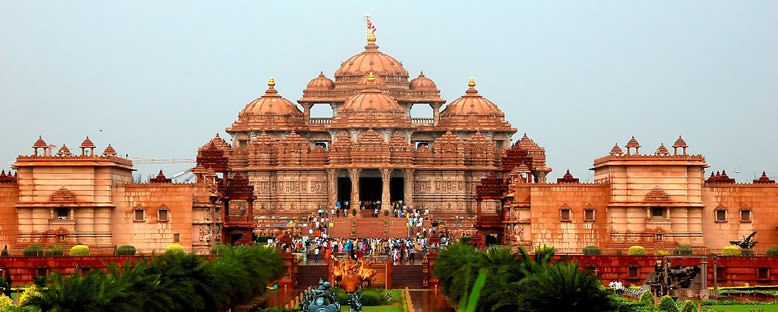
x,y
370,29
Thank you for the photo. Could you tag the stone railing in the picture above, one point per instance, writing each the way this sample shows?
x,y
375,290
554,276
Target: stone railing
x,y
320,121
423,121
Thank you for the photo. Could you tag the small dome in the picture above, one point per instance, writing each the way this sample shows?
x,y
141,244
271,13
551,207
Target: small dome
x,y
372,81
109,151
679,143
371,99
633,143
320,83
40,143
271,104
87,143
422,83
63,151
471,103
616,150
662,150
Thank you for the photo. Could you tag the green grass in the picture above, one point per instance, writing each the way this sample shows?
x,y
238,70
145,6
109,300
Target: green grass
x,y
383,308
742,308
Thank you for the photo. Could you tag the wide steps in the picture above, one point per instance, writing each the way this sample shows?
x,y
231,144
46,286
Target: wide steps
x,y
309,275
384,227
411,276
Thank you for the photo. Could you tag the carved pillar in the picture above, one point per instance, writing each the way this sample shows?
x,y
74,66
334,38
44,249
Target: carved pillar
x,y
354,174
307,111
435,112
408,185
332,188
386,176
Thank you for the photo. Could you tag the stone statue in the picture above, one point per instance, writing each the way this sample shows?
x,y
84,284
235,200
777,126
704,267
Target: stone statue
x,y
352,275
321,299
747,243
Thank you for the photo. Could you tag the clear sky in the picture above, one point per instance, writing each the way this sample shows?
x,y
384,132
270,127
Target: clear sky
x,y
157,79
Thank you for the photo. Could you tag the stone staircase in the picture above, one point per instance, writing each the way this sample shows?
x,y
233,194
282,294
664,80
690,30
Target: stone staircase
x,y
355,227
411,276
309,275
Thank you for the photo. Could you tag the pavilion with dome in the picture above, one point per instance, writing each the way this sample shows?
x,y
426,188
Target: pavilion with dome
x,y
371,148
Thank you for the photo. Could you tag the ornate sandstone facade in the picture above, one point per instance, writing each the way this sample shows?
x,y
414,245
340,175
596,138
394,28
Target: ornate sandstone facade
x,y
282,165
659,200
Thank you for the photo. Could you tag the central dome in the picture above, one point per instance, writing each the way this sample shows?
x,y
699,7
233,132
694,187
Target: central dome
x,y
371,99
371,60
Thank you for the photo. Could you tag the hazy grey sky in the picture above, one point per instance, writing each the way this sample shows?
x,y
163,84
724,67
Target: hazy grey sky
x,y
160,78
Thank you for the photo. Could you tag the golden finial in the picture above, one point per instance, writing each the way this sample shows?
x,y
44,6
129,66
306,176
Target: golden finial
x,y
370,78
370,29
271,83
371,37
471,83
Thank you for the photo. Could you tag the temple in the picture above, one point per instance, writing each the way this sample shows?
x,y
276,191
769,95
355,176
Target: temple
x,y
280,166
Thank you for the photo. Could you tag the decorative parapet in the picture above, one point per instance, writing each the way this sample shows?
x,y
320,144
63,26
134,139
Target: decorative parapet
x,y
625,157
7,178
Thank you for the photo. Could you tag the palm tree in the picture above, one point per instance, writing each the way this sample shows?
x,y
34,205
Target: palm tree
x,y
562,287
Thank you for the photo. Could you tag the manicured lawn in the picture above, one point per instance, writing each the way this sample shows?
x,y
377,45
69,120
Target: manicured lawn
x,y
741,308
383,308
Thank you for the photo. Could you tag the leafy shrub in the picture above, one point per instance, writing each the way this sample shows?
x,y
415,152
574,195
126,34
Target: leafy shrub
x,y
354,212
4,253
666,304
55,250
33,250
628,305
174,248
747,252
662,252
126,250
682,251
772,251
218,249
5,302
592,251
730,251
636,251
79,250
29,293
647,298
386,212
689,306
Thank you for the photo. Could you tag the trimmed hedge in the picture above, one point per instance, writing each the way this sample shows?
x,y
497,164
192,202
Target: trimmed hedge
x,y
592,251
682,251
666,304
5,302
647,298
730,251
174,248
79,251
33,251
126,250
772,251
636,251
662,252
55,250
689,306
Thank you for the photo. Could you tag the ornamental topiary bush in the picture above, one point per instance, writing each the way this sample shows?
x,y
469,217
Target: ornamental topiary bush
x,y
4,253
386,212
666,304
592,251
79,251
353,212
126,250
55,250
689,306
662,252
33,251
730,251
682,251
636,251
174,248
772,251
647,298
